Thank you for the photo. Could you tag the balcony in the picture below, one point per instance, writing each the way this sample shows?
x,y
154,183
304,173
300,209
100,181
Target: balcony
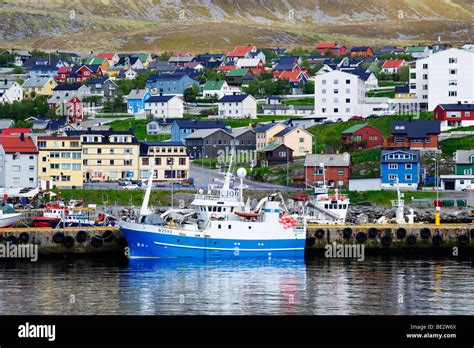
x,y
391,143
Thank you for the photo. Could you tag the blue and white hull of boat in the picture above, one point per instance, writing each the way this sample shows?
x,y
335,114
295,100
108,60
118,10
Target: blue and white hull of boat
x,y
161,242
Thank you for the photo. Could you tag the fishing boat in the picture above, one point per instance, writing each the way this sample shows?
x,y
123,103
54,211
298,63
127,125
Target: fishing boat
x,y
325,208
8,219
219,225
55,214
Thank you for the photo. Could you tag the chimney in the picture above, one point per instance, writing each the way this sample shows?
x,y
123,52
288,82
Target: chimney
x,y
22,137
6,82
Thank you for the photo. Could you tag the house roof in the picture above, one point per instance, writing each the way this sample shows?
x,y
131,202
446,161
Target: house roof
x,y
159,98
273,146
250,62
204,133
402,89
11,131
104,133
393,64
5,123
416,49
354,128
240,51
36,82
238,72
137,94
107,55
237,132
266,127
166,77
363,74
233,98
12,144
197,124
292,76
326,45
329,160
464,156
457,107
416,128
415,153
68,87
96,61
213,85
145,145
285,131
360,48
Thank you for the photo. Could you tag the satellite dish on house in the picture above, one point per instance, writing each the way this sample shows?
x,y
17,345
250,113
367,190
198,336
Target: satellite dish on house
x,y
16,155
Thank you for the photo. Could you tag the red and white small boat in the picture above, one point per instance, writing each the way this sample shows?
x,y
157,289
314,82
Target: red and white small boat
x,y
8,219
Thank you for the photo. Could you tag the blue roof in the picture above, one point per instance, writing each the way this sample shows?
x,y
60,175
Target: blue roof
x,y
265,127
159,99
233,98
416,128
144,145
284,132
364,75
197,124
457,107
68,87
360,48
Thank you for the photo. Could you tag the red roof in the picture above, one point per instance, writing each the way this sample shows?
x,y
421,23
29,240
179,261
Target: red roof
x,y
226,67
12,144
108,55
10,131
393,64
64,70
240,51
292,76
325,45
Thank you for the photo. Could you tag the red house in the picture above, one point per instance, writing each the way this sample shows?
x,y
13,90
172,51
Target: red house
x,y
63,73
333,47
362,51
333,170
82,73
75,110
454,115
362,136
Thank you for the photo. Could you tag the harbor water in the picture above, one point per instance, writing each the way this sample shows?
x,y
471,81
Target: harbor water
x,y
378,285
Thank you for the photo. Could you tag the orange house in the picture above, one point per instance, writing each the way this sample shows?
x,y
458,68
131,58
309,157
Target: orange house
x,y
362,51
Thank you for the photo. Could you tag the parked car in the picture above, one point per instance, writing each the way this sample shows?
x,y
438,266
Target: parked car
x,y
372,116
356,118
124,182
131,187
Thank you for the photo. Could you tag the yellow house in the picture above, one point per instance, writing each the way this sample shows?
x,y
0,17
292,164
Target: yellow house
x,y
35,86
108,155
297,139
265,133
60,160
171,160
403,92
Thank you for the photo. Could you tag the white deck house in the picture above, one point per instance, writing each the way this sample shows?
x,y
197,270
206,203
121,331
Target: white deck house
x,y
237,106
164,106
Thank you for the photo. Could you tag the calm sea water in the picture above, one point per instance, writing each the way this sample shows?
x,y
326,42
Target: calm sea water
x,y
375,286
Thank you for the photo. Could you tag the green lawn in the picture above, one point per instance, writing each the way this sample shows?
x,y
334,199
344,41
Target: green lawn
x,y
139,128
449,146
381,94
119,196
391,83
302,101
385,197
460,129
243,122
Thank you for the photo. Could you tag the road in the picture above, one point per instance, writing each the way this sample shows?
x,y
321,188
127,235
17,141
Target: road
x,y
99,121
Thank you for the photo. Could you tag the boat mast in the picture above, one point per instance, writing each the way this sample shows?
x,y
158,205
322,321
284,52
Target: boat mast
x,y
144,208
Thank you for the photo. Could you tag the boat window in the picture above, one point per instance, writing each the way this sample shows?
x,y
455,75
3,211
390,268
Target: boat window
x,y
326,206
209,208
231,209
219,209
250,227
230,226
219,226
214,208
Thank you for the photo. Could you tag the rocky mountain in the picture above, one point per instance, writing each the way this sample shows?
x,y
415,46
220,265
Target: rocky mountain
x,y
158,25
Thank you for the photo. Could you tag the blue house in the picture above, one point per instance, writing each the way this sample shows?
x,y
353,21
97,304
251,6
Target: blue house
x,y
183,127
401,165
136,101
166,84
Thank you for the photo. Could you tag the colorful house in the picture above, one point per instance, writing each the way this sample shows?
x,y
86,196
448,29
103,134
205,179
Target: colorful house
x,y
402,166
454,115
60,161
18,161
265,133
171,161
274,154
297,139
170,84
464,162
111,57
362,51
414,134
393,66
362,136
286,64
418,52
33,87
239,77
74,110
136,101
403,92
84,72
255,65
184,127
334,168
100,61
332,47
240,52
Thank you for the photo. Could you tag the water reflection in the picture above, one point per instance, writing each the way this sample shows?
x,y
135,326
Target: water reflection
x,y
277,287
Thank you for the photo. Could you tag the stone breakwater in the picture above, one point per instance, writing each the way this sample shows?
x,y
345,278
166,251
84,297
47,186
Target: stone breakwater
x,y
368,214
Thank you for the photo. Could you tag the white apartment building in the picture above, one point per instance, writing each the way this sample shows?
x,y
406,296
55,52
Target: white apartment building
x,y
446,77
338,94
237,106
165,106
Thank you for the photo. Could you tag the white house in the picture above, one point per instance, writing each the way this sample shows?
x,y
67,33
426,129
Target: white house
x,y
418,52
445,77
18,162
10,91
165,106
237,106
218,88
67,91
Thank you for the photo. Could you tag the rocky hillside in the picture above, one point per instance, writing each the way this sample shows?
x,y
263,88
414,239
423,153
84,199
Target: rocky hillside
x,y
218,24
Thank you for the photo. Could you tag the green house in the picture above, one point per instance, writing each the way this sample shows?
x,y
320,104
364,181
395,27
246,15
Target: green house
x,y
464,161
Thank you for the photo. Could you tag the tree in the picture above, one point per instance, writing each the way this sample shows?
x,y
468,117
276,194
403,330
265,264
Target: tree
x,y
191,93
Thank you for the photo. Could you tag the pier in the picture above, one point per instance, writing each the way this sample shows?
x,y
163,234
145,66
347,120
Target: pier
x,y
392,237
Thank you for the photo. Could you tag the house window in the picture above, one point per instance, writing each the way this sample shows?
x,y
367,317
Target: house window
x,y
317,172
348,82
453,60
392,177
408,166
182,161
340,172
145,161
127,162
408,177
31,168
301,140
453,71
15,168
452,93
282,154
336,110
393,166
374,137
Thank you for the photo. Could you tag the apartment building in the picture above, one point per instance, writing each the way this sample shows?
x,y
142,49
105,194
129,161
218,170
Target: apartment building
x,y
171,162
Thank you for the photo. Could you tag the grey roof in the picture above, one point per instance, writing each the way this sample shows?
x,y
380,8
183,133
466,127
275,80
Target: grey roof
x,y
6,123
6,84
275,107
137,94
464,156
203,133
36,81
236,132
329,160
